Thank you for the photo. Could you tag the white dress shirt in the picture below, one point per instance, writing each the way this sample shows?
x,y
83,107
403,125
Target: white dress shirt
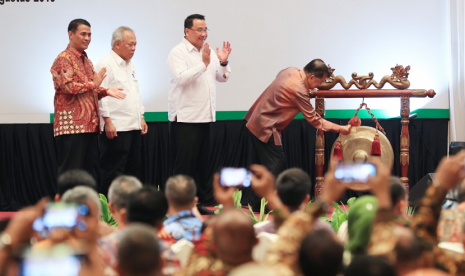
x,y
192,98
125,113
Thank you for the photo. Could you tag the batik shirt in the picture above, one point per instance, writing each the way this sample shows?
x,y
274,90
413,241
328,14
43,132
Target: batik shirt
x,y
109,250
184,225
76,97
424,226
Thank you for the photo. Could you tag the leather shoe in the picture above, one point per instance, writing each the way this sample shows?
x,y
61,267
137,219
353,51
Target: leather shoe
x,y
204,211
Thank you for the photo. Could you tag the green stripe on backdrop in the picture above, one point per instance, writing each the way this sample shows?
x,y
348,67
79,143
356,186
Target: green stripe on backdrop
x,y
330,114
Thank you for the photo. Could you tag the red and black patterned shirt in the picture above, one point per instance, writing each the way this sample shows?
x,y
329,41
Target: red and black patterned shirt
x,y
76,97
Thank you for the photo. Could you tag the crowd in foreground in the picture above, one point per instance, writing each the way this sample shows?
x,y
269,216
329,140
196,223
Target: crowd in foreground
x,y
150,223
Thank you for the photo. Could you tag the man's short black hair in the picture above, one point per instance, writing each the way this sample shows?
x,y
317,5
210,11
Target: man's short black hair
x,y
73,178
318,68
370,266
320,254
189,21
397,190
73,25
293,185
146,205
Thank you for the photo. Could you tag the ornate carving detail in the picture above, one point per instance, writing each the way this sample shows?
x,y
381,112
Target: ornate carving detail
x,y
319,159
320,142
320,106
398,79
319,186
404,142
404,158
404,106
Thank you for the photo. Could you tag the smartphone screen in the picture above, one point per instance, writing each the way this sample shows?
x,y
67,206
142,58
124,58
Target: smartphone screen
x,y
58,260
235,177
59,214
50,266
354,172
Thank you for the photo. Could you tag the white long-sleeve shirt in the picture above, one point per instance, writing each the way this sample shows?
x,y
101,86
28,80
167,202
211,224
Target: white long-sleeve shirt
x,y
193,94
126,113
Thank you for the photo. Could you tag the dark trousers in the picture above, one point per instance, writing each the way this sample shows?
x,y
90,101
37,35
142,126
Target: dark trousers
x,y
270,155
118,156
77,151
190,148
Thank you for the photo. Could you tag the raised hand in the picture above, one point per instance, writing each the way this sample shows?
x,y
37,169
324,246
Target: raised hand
x,y
380,183
224,53
115,92
333,188
99,77
450,170
223,195
206,54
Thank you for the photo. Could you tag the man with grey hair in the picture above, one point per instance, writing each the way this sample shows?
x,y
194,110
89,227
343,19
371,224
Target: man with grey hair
x,y
182,222
122,121
118,194
139,252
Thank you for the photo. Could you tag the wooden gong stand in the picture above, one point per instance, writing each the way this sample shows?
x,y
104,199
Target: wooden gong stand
x,y
404,95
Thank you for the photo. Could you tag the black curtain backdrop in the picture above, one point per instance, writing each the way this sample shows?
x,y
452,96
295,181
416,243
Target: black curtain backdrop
x,y
28,162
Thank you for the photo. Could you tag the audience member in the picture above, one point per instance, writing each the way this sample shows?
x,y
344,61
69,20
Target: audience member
x,y
399,200
139,252
118,194
73,178
360,223
293,188
320,254
180,191
147,206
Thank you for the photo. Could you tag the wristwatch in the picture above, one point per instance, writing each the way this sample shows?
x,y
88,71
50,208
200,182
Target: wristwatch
x,y
224,63
5,242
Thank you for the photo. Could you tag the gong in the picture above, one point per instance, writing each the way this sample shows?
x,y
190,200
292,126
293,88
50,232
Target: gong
x,y
356,147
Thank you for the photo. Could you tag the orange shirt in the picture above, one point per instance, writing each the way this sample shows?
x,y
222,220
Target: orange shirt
x,y
76,98
277,106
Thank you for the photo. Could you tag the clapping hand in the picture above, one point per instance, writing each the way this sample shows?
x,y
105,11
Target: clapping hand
x,y
450,170
224,53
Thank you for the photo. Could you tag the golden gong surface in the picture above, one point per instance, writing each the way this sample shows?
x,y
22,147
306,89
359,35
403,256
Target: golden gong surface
x,y
356,147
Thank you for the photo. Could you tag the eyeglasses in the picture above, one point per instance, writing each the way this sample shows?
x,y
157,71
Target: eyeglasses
x,y
200,31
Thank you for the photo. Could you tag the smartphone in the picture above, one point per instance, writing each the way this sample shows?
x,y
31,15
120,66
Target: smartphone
x,y
354,172
58,260
235,177
60,215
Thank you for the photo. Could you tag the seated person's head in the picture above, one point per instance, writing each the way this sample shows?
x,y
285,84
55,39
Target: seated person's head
x,y
370,266
74,178
320,254
399,196
234,237
407,251
293,188
148,206
139,252
180,192
87,196
118,194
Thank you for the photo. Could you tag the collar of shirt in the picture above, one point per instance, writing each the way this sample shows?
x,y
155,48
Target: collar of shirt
x,y
75,52
179,215
118,59
189,45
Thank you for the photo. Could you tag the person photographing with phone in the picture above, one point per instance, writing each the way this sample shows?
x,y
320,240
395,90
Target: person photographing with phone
x,y
277,106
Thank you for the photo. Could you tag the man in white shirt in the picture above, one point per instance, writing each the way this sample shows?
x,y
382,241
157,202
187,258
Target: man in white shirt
x,y
192,102
122,122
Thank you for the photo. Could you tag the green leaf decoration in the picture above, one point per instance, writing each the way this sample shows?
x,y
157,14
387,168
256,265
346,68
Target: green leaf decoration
x,y
335,220
106,214
351,201
252,215
309,204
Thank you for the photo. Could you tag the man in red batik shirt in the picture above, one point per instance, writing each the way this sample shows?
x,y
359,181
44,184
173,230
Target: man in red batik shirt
x,y
77,91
